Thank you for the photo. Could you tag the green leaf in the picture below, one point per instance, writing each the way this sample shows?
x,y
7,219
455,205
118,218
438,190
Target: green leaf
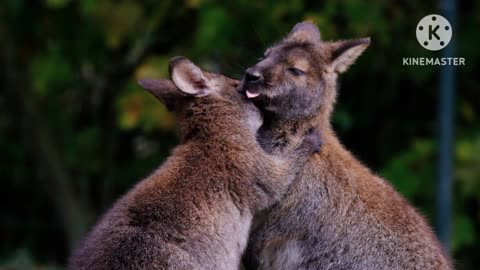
x,y
119,20
214,27
57,3
50,71
464,232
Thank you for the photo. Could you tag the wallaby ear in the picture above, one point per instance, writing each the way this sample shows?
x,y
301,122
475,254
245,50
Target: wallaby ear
x,y
304,32
345,52
187,76
164,90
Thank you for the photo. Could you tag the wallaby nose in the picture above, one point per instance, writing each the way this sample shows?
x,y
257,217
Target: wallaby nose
x,y
252,75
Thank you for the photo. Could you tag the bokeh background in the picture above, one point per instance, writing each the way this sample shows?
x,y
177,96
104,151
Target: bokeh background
x,y
77,131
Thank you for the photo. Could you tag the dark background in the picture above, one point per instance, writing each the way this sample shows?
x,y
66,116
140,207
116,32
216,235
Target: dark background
x,y
76,132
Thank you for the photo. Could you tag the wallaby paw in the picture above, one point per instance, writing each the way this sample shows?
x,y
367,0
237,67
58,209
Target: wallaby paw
x,y
313,140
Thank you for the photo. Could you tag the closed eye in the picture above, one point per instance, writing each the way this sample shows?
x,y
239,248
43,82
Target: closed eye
x,y
296,71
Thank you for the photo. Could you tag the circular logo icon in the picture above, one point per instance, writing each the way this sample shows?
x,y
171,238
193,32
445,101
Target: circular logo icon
x,y
434,32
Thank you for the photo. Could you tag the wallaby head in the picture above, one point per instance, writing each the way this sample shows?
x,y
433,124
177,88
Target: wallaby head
x,y
205,103
296,79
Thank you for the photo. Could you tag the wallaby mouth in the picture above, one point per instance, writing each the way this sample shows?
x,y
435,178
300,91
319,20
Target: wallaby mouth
x,y
252,79
251,95
250,90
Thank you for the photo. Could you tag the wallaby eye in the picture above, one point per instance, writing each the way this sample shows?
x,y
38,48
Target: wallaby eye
x,y
296,71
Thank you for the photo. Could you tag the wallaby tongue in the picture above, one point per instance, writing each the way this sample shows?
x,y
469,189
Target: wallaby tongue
x,y
252,95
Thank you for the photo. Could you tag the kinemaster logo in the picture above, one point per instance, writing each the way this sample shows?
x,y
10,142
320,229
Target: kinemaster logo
x,y
434,32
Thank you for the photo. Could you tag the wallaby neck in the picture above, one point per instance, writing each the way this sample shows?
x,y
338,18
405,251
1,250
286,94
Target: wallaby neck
x,y
278,134
275,136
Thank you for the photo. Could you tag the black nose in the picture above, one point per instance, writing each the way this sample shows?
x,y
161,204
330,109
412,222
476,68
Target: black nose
x,y
252,75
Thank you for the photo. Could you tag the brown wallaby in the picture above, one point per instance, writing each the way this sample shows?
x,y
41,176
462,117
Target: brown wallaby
x,y
195,211
337,214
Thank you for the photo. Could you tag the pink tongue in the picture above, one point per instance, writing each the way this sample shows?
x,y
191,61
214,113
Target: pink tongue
x,y
252,95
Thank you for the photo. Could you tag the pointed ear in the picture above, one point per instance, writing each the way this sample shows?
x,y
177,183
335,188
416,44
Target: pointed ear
x,y
345,52
187,76
304,32
164,90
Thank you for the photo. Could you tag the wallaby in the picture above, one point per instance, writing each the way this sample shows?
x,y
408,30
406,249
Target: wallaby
x,y
195,210
337,214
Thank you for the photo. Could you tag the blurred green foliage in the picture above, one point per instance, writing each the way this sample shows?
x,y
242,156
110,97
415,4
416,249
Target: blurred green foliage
x,y
77,132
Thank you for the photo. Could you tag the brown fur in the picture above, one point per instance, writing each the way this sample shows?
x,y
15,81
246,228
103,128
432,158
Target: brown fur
x,y
337,214
195,211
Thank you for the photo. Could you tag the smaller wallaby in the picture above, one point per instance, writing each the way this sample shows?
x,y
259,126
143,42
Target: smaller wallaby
x,y
195,211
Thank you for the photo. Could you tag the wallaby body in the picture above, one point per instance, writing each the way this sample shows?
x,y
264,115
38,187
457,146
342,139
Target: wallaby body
x,y
195,211
337,214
